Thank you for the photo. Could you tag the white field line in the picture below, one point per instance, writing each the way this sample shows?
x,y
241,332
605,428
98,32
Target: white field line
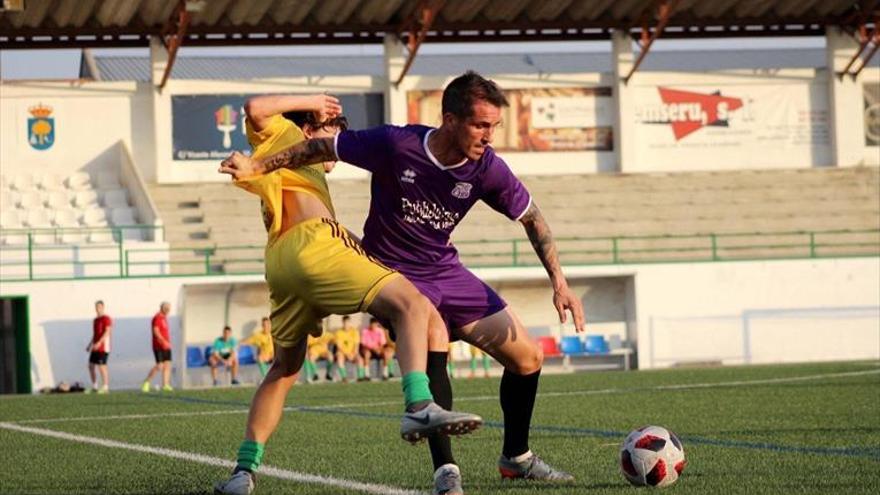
x,y
475,398
685,386
272,472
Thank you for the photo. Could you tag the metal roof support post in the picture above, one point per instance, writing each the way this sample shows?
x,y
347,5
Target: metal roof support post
x,y
845,112
867,59
179,19
664,12
864,39
418,26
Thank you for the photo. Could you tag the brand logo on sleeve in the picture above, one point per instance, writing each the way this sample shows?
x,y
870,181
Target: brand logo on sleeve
x,y
409,176
462,190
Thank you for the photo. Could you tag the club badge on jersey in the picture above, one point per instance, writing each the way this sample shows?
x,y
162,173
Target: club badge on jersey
x,y
462,190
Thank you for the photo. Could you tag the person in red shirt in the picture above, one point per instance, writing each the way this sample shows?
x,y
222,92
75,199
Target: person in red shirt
x,y
99,348
161,349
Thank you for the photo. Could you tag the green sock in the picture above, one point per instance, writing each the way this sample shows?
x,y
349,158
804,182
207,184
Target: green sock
x,y
329,368
450,367
343,372
486,363
473,364
415,388
264,368
250,455
390,368
362,373
309,369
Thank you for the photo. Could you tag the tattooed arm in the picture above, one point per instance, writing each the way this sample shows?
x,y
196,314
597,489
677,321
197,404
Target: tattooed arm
x,y
304,153
542,241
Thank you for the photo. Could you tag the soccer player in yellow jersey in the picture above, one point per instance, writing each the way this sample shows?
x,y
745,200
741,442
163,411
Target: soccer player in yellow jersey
x,y
319,348
347,340
315,268
262,340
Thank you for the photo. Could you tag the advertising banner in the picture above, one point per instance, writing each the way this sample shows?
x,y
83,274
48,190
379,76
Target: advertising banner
x,y
209,127
551,119
731,126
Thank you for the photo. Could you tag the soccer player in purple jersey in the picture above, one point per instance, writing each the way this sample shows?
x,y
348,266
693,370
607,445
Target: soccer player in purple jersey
x,y
424,181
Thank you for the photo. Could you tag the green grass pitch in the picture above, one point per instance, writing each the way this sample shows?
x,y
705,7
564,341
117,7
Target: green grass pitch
x,y
746,430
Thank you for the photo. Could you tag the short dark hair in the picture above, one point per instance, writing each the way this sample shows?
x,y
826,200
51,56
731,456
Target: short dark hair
x,y
374,320
346,318
303,119
227,327
265,318
460,95
99,302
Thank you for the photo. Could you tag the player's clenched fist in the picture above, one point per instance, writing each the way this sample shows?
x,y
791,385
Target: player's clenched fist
x,y
239,166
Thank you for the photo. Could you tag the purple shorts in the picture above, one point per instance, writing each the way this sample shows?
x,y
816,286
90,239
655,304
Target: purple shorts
x,y
458,294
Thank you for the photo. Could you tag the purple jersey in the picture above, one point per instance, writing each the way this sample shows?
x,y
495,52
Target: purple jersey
x,y
416,202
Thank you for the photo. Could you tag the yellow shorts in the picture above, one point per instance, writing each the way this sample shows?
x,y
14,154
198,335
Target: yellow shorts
x,y
318,351
316,269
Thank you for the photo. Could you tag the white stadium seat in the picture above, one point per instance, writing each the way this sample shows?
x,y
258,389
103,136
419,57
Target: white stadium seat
x,y
101,236
23,182
68,219
78,181
108,180
115,198
85,199
57,199
30,200
95,217
50,181
9,200
40,219
10,219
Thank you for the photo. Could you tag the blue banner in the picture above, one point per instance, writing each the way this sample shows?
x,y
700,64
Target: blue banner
x,y
209,127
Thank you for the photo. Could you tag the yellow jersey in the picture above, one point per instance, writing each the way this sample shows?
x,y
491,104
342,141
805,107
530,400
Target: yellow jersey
x,y
347,340
263,343
324,340
278,135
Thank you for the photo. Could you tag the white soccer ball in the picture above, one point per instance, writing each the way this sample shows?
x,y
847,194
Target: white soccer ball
x,y
652,456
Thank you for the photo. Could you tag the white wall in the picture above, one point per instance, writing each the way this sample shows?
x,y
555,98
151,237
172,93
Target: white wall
x,y
745,312
61,316
733,312
89,118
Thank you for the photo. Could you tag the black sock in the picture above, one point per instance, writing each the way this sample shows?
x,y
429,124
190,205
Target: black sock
x,y
441,389
517,402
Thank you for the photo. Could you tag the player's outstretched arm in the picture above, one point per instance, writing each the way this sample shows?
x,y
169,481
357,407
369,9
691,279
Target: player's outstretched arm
x,y
260,109
542,241
303,153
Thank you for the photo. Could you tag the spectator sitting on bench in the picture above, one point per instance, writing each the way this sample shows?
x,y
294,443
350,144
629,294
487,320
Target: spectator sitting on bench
x,y
347,340
372,347
224,353
262,340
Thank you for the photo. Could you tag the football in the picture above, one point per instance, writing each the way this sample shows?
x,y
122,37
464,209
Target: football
x,y
652,456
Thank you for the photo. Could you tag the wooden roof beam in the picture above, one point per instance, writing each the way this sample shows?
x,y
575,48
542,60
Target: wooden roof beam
x,y
419,25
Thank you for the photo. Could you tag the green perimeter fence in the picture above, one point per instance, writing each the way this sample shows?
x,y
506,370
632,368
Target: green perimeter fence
x,y
63,254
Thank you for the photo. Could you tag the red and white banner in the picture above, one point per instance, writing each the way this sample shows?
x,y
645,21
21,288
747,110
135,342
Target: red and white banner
x,y
730,126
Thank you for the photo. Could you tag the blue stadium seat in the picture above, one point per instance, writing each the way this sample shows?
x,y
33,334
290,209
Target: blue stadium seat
x,y
246,355
571,344
595,344
194,357
208,351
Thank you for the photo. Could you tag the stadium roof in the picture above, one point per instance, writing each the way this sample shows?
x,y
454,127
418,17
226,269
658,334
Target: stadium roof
x,y
226,68
95,23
